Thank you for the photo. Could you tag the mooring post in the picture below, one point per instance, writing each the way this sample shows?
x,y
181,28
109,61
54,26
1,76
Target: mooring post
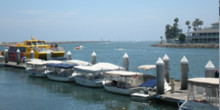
x,y
210,69
49,55
18,56
160,76
166,60
32,54
93,58
68,55
184,73
126,61
6,55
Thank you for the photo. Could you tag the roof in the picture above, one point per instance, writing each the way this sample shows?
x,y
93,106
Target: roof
x,y
123,73
100,67
146,67
207,30
78,62
205,82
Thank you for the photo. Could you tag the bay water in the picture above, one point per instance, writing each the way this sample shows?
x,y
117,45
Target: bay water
x,y
18,91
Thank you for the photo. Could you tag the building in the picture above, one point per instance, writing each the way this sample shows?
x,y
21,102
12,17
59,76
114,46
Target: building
x,y
206,35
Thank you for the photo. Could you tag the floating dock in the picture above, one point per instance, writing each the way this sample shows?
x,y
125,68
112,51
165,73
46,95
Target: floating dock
x,y
177,96
14,64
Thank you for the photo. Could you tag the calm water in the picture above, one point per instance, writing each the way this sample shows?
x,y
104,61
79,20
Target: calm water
x,y
18,91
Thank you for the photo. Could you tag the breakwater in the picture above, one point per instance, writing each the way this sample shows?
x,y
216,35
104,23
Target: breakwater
x,y
187,45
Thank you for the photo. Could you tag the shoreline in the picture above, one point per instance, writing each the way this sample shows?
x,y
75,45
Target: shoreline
x,y
187,45
58,42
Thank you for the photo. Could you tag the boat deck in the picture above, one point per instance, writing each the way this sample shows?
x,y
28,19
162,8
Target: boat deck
x,y
14,64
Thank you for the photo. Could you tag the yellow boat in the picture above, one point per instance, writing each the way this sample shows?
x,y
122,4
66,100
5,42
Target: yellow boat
x,y
39,47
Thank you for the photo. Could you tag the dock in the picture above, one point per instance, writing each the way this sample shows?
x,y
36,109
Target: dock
x,y
14,64
178,96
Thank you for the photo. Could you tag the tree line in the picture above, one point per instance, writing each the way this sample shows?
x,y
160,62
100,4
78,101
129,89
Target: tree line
x,y
174,32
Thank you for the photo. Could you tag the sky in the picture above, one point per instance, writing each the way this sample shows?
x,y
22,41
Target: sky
x,y
93,20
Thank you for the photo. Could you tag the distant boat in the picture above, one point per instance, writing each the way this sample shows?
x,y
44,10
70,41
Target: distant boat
x,y
119,49
79,47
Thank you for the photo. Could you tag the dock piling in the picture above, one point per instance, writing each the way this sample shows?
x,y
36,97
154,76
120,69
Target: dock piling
x,y
6,55
32,54
166,60
68,55
160,76
93,58
126,61
184,73
210,69
49,55
18,56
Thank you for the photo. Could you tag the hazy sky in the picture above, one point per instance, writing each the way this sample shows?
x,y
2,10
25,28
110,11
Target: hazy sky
x,y
83,20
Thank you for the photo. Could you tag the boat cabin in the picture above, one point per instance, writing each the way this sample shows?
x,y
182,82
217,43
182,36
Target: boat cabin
x,y
60,69
123,79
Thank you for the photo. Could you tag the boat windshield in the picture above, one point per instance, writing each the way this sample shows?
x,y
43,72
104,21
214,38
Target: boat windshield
x,y
39,43
203,94
34,43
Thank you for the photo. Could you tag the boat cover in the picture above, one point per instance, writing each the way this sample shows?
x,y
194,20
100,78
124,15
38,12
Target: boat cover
x,y
99,67
78,62
149,83
61,65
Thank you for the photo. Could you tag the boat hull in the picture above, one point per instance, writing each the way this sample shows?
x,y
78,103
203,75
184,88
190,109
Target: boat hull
x,y
89,83
60,78
36,74
127,91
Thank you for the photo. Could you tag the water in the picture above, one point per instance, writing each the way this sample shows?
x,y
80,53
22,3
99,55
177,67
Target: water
x,y
18,91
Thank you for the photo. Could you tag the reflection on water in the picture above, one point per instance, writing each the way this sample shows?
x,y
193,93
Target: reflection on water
x,y
19,91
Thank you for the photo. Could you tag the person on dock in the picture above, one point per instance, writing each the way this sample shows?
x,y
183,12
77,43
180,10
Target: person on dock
x,y
216,74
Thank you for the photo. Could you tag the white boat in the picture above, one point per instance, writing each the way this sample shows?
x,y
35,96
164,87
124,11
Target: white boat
x,y
64,71
203,94
37,67
92,76
123,82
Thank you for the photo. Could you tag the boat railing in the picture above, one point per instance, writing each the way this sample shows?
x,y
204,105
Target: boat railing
x,y
52,49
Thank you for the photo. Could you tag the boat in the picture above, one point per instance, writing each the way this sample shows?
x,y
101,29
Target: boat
x,y
150,86
124,82
37,67
203,94
39,47
92,76
64,71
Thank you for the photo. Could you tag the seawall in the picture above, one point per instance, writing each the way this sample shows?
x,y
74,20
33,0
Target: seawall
x,y
187,45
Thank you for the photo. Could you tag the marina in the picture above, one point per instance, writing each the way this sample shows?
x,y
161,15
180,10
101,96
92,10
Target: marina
x,y
177,97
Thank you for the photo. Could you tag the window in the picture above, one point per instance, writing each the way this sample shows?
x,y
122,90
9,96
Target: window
x,y
39,43
34,43
28,43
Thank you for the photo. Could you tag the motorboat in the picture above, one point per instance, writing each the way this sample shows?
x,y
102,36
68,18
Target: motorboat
x,y
64,71
39,47
92,76
124,82
203,94
37,67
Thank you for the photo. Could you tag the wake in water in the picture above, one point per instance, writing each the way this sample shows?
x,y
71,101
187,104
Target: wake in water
x,y
120,49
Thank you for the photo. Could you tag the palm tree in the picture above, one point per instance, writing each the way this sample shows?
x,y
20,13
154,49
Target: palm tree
x,y
200,23
188,24
161,38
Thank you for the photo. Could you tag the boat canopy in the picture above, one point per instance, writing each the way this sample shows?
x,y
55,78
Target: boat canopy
x,y
61,65
205,82
123,73
99,67
53,61
78,62
37,62
146,67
